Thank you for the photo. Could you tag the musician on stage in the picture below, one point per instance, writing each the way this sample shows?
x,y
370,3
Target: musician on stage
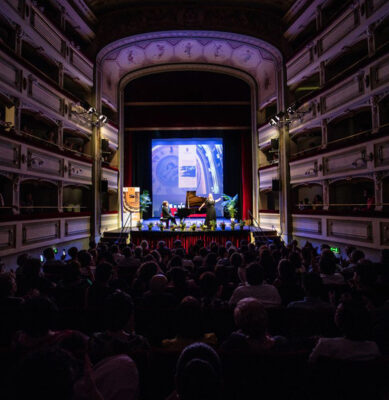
x,y
209,203
166,214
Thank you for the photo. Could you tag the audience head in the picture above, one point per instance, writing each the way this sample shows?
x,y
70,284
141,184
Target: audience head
x,y
353,319
84,258
118,311
251,318
103,272
365,274
49,254
158,283
208,284
357,255
198,373
286,271
73,251
71,272
236,260
39,316
312,284
189,319
254,274
7,285
327,263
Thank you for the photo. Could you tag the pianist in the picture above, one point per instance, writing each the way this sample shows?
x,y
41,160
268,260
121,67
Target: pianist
x,y
166,214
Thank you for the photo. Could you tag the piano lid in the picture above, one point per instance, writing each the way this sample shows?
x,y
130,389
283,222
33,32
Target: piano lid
x,y
192,200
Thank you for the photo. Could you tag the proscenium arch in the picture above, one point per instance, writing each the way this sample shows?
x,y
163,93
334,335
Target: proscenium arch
x,y
147,67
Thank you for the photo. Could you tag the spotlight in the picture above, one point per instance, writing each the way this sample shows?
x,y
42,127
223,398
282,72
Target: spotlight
x,y
291,110
91,110
102,119
273,122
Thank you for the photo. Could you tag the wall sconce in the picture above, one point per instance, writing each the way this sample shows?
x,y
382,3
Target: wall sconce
x,y
312,171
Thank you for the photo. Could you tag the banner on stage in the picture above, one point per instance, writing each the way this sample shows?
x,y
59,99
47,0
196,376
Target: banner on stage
x,y
131,205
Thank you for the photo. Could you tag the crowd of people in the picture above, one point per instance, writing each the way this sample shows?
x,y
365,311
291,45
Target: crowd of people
x,y
108,322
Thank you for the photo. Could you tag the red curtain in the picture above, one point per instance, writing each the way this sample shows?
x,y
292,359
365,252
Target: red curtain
x,y
127,164
190,238
247,183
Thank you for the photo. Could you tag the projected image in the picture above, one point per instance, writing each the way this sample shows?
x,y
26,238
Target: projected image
x,y
180,165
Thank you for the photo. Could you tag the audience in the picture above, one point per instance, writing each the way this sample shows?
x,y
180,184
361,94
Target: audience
x,y
75,321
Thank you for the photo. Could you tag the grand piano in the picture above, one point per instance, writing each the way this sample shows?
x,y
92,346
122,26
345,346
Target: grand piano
x,y
192,204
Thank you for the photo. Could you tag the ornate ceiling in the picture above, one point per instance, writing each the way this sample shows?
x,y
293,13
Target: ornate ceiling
x,y
102,6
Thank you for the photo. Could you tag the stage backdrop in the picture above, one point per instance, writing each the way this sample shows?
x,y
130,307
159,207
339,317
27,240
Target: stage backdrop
x,y
179,165
237,176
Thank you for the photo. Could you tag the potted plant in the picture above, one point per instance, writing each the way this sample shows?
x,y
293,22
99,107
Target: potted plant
x,y
144,203
150,226
233,223
193,227
161,226
203,227
223,226
212,225
173,227
242,223
229,205
139,225
182,226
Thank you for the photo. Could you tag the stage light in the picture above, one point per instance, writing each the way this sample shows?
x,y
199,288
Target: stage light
x,y
91,110
273,122
102,119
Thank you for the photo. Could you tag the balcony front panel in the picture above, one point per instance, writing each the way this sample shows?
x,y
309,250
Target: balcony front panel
x,y
77,226
305,170
80,171
47,32
380,73
9,74
111,177
111,134
40,231
350,162
339,31
298,64
82,64
44,163
351,229
7,237
45,96
303,226
109,222
342,94
266,176
9,154
269,221
384,229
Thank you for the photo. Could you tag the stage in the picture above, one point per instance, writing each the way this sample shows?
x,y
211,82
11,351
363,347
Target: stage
x,y
188,237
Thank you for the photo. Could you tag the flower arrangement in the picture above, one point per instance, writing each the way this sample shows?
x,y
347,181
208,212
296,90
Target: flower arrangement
x,y
212,225
203,227
222,226
242,223
233,223
139,225
182,226
173,227
150,226
161,226
193,227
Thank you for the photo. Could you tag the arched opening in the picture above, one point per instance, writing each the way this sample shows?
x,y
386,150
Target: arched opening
x,y
307,197
352,195
77,199
38,197
165,110
6,196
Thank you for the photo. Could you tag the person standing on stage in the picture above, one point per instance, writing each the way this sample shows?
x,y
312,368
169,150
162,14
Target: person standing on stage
x,y
166,214
211,212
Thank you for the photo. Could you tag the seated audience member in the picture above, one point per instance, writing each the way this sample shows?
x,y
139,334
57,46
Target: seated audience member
x,y
190,326
355,257
46,374
237,262
119,337
72,253
52,268
157,296
327,265
100,288
255,287
86,264
37,331
116,254
313,288
30,279
70,291
317,203
267,262
286,283
141,283
354,321
198,374
251,320
365,283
